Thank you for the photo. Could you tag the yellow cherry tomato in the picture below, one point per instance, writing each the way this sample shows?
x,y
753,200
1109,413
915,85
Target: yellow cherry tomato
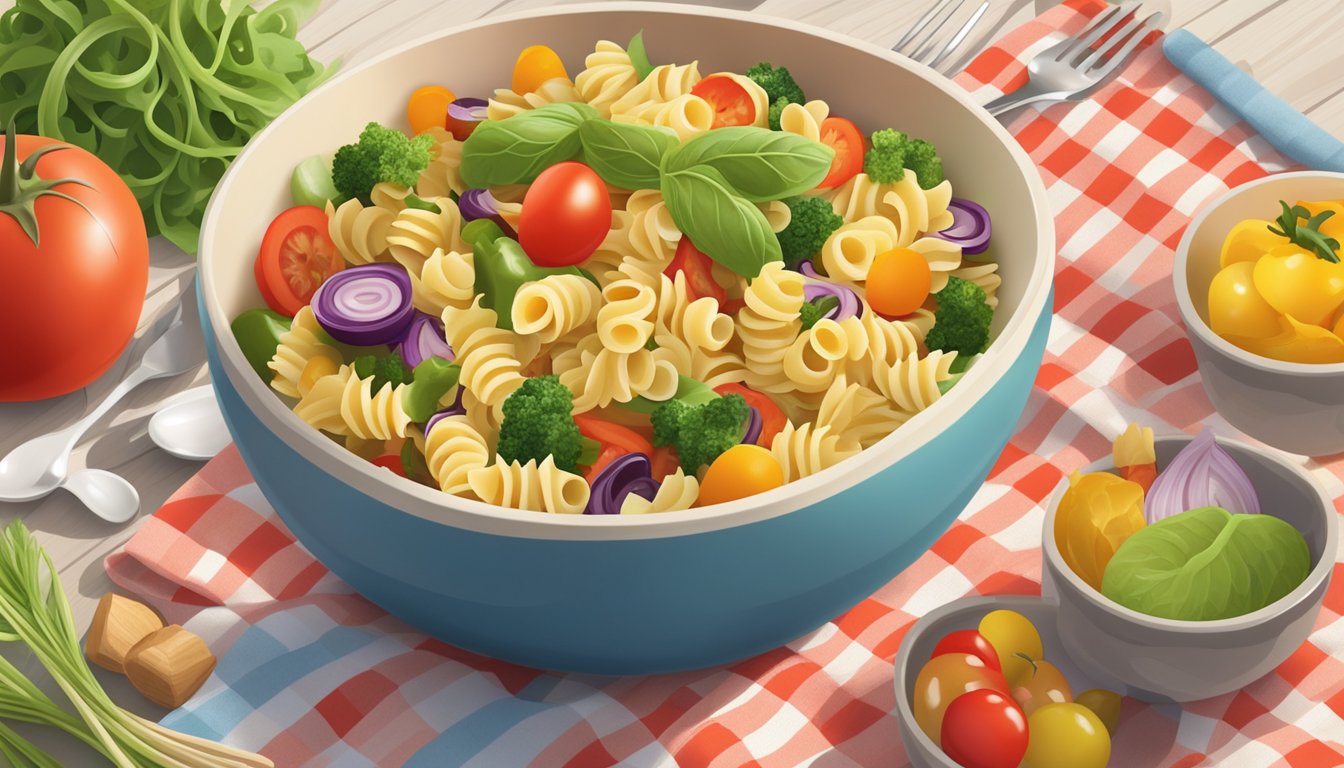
x,y
535,65
1236,308
1095,516
1011,634
1104,704
1248,240
1296,282
1066,736
1296,342
738,472
1333,226
428,108
898,281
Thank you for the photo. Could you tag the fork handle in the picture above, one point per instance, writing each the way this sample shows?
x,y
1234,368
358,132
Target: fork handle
x,y
140,375
1023,95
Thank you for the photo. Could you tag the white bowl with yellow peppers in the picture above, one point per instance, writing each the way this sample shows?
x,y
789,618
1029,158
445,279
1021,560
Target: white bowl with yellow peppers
x,y
1259,283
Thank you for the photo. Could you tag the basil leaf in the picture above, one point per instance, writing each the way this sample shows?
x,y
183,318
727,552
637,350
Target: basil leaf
x,y
517,149
728,228
759,163
624,154
638,56
1206,564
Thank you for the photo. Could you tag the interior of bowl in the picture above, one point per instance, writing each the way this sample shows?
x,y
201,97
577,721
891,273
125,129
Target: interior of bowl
x,y
1203,242
1284,491
982,160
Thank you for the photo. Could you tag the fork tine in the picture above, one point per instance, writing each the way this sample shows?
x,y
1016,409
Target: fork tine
x,y
1140,31
1100,25
919,25
930,39
961,34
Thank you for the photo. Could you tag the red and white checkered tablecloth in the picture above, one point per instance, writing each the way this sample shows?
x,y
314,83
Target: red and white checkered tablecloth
x,y
311,674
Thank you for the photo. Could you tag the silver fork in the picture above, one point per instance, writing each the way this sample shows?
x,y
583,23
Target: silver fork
x,y
1071,67
923,46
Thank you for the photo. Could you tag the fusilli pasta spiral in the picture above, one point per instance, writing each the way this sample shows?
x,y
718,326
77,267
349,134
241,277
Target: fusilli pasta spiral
x,y
360,233
415,234
607,76
912,383
532,487
808,449
676,492
443,174
769,323
625,320
506,103
453,448
299,347
848,253
446,279
490,356
804,119
554,306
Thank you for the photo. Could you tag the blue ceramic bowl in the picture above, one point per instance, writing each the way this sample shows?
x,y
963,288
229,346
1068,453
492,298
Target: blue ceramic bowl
x,y
651,593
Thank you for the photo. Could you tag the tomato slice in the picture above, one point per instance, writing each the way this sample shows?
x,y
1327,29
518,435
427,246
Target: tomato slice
x,y
698,267
772,418
390,461
731,103
608,454
297,255
847,141
612,434
665,462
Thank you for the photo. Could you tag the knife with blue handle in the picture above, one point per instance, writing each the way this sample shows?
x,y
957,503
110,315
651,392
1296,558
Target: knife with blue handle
x,y
1290,131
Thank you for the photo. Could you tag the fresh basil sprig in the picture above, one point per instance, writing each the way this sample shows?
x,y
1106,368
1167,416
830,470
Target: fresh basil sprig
x,y
624,154
639,57
517,150
729,228
760,164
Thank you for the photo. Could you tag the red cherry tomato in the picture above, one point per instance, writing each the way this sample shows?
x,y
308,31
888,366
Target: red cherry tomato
x,y
296,256
390,461
984,728
772,418
566,215
972,642
847,141
731,102
665,462
699,268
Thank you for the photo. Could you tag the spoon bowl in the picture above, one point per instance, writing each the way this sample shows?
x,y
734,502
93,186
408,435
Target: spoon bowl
x,y
35,468
107,495
190,425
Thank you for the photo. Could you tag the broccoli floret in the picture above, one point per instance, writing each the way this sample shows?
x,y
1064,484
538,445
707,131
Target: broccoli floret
x,y
777,83
885,161
385,369
811,221
922,158
381,154
539,422
961,322
812,311
776,112
700,432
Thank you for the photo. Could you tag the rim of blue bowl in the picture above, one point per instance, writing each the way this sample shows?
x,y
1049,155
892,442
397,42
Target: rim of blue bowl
x,y
1318,574
421,501
1186,306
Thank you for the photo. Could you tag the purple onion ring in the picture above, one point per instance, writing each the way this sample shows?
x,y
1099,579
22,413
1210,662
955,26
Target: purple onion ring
x,y
848,301
810,270
754,425
456,409
623,476
424,339
970,226
477,204
365,305
468,109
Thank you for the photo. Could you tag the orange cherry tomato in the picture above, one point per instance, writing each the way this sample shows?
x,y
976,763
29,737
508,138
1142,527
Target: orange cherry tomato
x,y
772,418
698,267
665,462
535,65
297,255
1143,474
942,679
390,461
741,471
898,282
1045,685
428,108
731,102
846,139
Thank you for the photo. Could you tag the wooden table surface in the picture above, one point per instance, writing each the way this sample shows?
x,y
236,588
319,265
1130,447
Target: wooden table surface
x,y
1292,46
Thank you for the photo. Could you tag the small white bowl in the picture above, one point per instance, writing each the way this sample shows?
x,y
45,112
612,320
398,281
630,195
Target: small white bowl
x,y
1163,659
1296,407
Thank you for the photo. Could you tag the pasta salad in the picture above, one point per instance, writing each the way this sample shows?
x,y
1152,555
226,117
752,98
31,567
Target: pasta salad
x,y
641,289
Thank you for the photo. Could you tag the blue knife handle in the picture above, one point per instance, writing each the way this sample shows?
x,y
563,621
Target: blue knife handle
x,y
1290,131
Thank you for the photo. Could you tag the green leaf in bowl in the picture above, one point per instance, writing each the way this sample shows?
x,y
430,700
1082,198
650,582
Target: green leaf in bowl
x,y
759,163
517,149
626,155
722,224
1207,564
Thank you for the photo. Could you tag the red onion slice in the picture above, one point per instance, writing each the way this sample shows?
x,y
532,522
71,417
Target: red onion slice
x,y
424,339
970,226
1201,475
754,425
456,409
810,270
624,475
365,305
468,109
848,306
477,204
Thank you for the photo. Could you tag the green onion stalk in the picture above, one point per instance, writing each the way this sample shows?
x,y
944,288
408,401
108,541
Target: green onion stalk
x,y
41,619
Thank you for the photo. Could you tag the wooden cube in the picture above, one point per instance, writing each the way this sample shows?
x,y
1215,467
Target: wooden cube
x,y
169,665
118,624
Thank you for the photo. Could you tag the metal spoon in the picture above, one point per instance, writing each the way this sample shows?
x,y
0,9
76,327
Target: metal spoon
x,y
39,466
107,495
189,425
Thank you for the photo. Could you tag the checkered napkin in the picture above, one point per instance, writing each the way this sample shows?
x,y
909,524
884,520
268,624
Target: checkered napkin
x,y
312,674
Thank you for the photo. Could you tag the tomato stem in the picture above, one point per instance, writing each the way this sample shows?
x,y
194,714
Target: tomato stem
x,y
21,187
9,179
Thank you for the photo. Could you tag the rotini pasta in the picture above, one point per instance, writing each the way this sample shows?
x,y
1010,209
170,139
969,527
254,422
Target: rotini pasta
x,y
943,258
359,232
490,359
912,383
532,487
914,211
769,323
598,375
804,119
554,306
506,103
857,413
662,85
699,323
607,76
984,275
443,174
686,115
848,253
446,279
300,347
453,448
625,321
677,491
808,449
415,234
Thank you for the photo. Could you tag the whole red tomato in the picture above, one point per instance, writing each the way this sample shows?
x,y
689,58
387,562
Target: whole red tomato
x,y
566,214
72,272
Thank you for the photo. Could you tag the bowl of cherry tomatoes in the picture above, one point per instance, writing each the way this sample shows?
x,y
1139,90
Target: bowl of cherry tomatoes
x,y
982,682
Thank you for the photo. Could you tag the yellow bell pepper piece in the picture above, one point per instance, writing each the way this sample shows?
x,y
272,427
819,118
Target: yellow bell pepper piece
x,y
1296,282
1249,240
1296,342
1236,308
1095,516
